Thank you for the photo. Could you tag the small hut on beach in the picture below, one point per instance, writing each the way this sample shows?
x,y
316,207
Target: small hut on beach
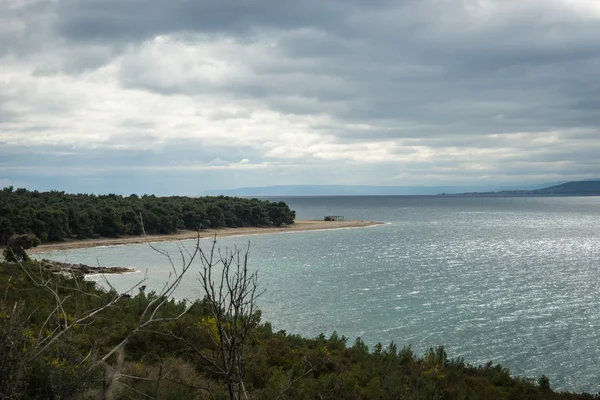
x,y
333,218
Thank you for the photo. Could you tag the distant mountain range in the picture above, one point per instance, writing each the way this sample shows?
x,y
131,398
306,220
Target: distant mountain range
x,y
575,188
361,190
337,190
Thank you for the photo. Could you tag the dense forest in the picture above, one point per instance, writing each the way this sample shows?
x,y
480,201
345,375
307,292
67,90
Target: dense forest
x,y
171,359
56,216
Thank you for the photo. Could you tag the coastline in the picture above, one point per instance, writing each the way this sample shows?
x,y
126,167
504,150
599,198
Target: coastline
x,y
298,226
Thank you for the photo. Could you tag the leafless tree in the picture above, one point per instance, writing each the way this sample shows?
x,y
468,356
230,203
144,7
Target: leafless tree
x,y
232,297
231,292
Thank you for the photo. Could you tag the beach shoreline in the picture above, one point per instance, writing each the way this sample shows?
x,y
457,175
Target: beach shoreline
x,y
298,226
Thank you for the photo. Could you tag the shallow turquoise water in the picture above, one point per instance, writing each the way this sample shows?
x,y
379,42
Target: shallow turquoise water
x,y
513,280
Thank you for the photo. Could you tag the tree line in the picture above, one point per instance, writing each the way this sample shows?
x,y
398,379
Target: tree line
x,y
56,216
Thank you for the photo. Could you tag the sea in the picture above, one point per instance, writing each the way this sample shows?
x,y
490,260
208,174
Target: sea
x,y
512,280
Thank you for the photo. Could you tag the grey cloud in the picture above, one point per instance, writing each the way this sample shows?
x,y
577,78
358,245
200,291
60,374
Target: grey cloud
x,y
139,19
77,59
224,115
383,60
7,116
25,26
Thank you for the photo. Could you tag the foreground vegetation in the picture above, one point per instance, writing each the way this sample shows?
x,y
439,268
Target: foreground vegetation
x,y
56,216
64,337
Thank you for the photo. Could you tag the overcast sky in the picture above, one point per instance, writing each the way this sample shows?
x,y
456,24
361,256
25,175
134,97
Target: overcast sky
x,y
181,96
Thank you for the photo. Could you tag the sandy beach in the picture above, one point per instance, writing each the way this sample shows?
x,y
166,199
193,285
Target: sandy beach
x,y
306,225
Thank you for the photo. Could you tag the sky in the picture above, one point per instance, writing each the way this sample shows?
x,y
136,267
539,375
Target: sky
x,y
182,96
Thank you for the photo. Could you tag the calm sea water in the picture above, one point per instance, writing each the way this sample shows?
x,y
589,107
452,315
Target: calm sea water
x,y
513,280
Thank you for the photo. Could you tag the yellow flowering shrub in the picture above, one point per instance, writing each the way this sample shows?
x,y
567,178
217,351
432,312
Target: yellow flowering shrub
x,y
209,325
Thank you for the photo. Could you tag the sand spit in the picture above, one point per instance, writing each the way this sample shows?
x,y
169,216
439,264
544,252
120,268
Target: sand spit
x,y
299,226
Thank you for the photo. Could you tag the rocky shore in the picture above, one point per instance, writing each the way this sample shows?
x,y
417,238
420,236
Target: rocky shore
x,y
60,267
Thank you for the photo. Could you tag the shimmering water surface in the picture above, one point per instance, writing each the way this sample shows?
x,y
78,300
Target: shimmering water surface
x,y
513,280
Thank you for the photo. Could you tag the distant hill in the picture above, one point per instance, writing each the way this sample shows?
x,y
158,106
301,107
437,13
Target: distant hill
x,y
581,188
575,188
368,190
343,190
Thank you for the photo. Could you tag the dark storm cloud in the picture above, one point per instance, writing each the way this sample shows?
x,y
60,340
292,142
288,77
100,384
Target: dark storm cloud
x,y
393,59
357,64
141,19
447,88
